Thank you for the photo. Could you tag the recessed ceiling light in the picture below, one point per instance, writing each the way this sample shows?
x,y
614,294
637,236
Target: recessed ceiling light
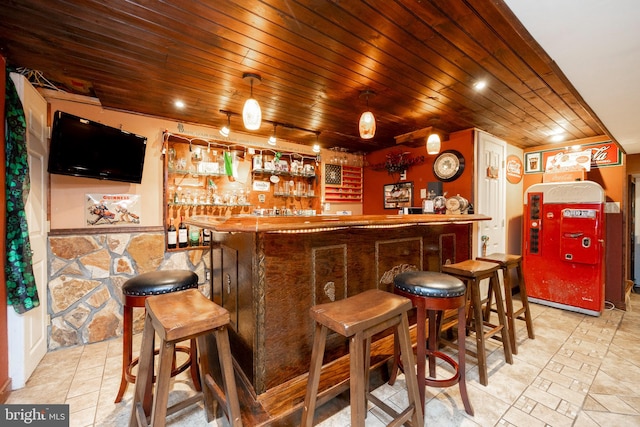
x,y
557,138
480,84
179,104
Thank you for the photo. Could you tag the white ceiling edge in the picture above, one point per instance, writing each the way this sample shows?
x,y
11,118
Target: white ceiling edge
x,y
596,44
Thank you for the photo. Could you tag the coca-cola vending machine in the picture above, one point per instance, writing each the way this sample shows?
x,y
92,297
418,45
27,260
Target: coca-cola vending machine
x,y
564,238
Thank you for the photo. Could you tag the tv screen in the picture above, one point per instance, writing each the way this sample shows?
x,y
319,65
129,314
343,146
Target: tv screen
x,y
81,147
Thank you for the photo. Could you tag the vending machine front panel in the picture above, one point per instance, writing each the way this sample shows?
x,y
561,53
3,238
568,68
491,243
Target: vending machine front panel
x,y
563,253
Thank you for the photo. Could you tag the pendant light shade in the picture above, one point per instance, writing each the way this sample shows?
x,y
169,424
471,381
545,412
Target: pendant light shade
x,y
251,113
433,144
367,124
226,128
272,139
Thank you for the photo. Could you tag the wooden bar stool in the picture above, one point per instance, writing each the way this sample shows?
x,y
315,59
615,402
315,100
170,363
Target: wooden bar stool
x,y
358,318
507,263
136,290
174,318
432,294
473,272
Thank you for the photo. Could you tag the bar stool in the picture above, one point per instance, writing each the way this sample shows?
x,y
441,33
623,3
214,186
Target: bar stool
x,y
432,294
136,290
174,318
473,272
508,262
358,318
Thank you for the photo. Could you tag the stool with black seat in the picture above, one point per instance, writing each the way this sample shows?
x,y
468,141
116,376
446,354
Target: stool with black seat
x,y
508,262
432,294
135,291
177,317
472,272
359,318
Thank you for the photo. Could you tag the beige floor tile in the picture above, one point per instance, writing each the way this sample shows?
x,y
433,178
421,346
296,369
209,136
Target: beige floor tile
x,y
551,417
82,402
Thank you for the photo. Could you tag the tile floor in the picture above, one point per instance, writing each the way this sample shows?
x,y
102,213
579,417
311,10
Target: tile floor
x,y
579,371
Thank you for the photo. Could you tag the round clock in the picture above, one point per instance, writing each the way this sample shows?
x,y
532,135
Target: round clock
x,y
448,166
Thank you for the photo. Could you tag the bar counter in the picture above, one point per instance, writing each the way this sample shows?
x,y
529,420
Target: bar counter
x,y
268,272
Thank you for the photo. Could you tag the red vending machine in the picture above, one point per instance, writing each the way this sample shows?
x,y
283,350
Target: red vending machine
x,y
564,236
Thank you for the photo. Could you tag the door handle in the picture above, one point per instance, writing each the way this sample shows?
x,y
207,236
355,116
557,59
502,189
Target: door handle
x,y
573,235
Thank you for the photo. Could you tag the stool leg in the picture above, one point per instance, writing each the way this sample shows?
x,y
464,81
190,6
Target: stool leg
x,y
127,337
506,280
477,314
356,380
413,390
395,367
525,301
163,379
195,372
462,381
506,340
144,380
229,381
367,373
421,351
317,352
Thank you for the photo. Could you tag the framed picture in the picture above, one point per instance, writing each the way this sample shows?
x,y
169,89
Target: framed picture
x,y
533,162
398,195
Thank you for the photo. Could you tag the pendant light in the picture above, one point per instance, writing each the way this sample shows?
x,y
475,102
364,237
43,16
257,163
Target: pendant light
x,y
251,113
316,146
227,128
433,144
367,124
272,139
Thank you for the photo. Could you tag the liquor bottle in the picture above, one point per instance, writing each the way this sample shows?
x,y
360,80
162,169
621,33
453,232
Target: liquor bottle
x,y
183,239
172,235
194,236
206,237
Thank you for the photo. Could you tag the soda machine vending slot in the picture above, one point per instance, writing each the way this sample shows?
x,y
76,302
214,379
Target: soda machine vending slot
x,y
534,228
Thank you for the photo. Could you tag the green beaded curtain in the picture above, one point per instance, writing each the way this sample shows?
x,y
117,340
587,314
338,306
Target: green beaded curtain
x,y
22,293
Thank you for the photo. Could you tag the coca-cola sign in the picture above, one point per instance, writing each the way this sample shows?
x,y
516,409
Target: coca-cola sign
x,y
603,154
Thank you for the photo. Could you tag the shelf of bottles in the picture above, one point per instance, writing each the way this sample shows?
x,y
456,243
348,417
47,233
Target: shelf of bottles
x,y
203,177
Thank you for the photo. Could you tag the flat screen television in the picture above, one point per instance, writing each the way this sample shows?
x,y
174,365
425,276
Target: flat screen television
x,y
81,147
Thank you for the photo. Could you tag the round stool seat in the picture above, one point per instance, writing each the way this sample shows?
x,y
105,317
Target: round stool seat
x,y
429,284
160,282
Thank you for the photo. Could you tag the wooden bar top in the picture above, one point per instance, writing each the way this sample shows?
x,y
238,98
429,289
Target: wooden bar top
x,y
306,224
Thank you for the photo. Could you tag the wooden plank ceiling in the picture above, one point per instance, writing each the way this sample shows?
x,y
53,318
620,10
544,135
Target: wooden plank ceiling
x,y
315,57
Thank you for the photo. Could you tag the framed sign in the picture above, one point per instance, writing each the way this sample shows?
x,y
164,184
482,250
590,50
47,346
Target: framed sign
x,y
533,162
398,195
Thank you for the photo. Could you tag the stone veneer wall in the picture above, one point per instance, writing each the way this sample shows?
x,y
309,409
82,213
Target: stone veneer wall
x,y
86,274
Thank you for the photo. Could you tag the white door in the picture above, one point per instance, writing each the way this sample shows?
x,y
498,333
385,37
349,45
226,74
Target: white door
x,y
491,192
28,331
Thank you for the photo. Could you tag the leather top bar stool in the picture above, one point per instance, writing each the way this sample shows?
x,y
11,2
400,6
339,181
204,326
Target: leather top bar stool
x,y
432,294
359,318
507,263
473,272
177,317
136,290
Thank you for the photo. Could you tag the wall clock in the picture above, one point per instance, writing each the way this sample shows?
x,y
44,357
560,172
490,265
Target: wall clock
x,y
448,166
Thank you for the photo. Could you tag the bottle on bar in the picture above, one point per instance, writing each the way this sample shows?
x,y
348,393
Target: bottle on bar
x,y
172,235
183,238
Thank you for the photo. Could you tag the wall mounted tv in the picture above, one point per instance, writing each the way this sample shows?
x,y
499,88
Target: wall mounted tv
x,y
81,147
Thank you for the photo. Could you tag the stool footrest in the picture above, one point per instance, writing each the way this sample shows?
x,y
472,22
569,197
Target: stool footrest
x,y
398,418
184,403
447,382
